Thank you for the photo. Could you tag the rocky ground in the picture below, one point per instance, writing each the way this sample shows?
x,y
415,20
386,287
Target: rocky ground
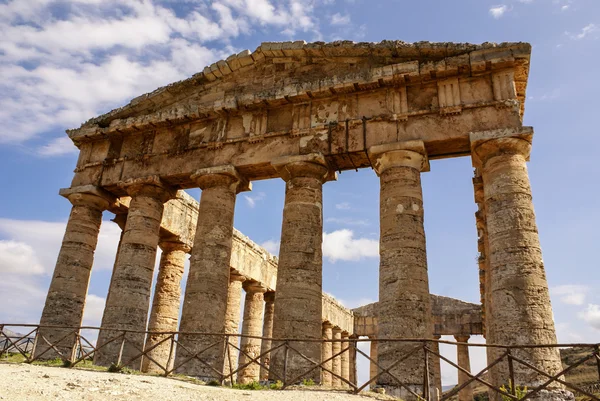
x,y
23,382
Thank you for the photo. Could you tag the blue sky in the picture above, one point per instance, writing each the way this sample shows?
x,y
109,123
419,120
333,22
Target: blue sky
x,y
64,62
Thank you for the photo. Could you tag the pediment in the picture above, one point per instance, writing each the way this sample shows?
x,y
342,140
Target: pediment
x,y
290,74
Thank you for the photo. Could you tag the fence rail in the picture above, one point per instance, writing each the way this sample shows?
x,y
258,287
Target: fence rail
x,y
28,345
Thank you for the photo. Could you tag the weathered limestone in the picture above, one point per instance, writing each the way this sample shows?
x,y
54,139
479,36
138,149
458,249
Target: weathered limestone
x,y
252,326
437,366
462,352
232,323
127,306
373,369
164,315
336,366
352,356
345,359
298,308
68,289
404,302
521,311
326,378
208,280
267,332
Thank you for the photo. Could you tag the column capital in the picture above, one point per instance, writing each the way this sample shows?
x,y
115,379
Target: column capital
x,y
226,175
236,277
253,287
270,296
89,195
312,165
399,154
463,338
168,246
151,186
345,335
337,330
487,144
327,325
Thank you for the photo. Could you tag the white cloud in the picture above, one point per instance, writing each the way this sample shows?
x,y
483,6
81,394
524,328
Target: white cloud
x,y
339,19
499,11
347,221
18,257
341,245
272,246
564,8
251,200
591,315
343,206
570,294
58,147
585,32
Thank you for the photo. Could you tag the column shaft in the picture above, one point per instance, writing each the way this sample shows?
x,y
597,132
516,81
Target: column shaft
x,y
205,301
298,309
336,366
373,369
353,372
129,301
164,315
66,296
463,360
232,323
267,333
252,326
436,366
326,354
520,300
404,300
345,360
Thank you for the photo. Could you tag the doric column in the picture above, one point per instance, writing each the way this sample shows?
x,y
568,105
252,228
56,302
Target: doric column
x,y
164,314
345,360
232,322
373,369
129,301
298,309
326,353
267,333
436,366
205,301
252,326
66,296
462,352
404,300
353,372
336,366
520,302
120,220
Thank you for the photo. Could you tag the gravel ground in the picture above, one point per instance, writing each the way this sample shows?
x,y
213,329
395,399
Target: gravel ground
x,y
23,382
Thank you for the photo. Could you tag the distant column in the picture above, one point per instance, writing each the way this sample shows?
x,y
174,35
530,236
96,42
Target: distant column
x,y
463,360
336,347
252,326
164,315
353,379
373,369
345,359
66,296
326,354
298,309
232,323
205,301
404,300
437,368
129,301
267,333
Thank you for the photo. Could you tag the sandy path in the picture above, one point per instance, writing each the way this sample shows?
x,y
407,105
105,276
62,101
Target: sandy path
x,y
23,382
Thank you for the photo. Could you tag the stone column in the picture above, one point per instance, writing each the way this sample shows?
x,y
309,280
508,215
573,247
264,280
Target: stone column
x,y
267,333
232,322
345,360
437,366
298,309
164,315
252,326
336,366
373,369
404,300
326,354
521,310
353,372
66,296
464,362
205,301
120,220
129,301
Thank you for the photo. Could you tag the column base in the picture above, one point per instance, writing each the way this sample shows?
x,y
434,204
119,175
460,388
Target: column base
x,y
554,395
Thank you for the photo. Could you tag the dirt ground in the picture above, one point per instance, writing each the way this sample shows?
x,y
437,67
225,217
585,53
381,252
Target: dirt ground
x,y
23,382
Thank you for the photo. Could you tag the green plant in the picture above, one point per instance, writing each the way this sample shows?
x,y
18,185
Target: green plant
x,y
115,368
308,382
214,383
248,386
520,392
278,385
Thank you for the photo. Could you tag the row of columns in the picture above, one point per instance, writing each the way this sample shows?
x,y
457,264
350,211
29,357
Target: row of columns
x,y
518,311
342,365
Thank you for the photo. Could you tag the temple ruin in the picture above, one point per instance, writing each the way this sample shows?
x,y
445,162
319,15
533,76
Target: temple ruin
x,y
302,112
